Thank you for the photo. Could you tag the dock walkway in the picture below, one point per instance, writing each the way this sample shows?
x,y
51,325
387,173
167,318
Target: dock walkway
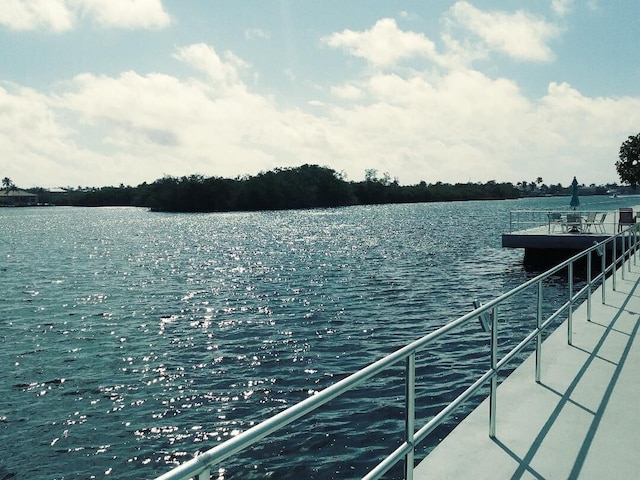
x,y
583,419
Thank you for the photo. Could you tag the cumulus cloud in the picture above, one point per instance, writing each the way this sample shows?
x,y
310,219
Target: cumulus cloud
x,y
383,45
39,142
347,92
63,15
519,35
147,14
223,71
449,122
52,15
209,123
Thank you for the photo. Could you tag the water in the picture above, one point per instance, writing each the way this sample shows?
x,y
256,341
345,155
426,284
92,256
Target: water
x,y
131,340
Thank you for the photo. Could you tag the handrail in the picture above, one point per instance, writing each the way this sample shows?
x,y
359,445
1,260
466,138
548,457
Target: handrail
x,y
520,220
199,467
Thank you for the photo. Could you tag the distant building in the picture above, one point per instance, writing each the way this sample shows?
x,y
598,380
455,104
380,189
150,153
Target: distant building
x,y
17,198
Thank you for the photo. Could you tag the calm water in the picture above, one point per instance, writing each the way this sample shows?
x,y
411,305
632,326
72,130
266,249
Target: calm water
x,y
131,340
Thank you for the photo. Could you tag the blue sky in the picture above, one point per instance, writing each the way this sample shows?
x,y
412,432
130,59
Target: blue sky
x,y
103,92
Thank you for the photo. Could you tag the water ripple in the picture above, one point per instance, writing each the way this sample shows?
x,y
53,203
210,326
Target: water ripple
x,y
132,340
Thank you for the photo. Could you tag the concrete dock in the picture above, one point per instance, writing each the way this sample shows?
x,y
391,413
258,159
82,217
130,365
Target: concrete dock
x,y
547,241
581,421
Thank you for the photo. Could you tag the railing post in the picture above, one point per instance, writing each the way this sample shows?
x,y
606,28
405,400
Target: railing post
x,y
410,413
570,315
629,249
204,475
494,368
539,336
589,286
623,253
603,261
614,260
635,245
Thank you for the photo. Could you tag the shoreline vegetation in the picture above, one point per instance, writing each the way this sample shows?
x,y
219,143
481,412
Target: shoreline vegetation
x,y
304,187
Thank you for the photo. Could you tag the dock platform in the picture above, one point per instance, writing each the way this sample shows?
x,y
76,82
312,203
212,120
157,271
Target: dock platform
x,y
536,229
549,241
581,421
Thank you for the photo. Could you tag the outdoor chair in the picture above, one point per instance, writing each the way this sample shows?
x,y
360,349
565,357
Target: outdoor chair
x,y
590,221
626,218
600,223
555,220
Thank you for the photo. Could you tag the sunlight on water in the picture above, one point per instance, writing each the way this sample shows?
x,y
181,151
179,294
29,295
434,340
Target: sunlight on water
x,y
132,340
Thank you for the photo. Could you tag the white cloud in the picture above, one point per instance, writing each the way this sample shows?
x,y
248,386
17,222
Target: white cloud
x,y
383,45
38,144
347,92
212,125
223,71
256,33
561,7
148,14
520,35
52,15
448,123
62,15
465,125
408,15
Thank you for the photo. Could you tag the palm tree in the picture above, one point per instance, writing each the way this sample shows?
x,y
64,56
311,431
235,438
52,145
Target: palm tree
x,y
8,184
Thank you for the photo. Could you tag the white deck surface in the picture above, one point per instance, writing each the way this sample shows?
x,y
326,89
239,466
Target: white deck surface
x,y
581,421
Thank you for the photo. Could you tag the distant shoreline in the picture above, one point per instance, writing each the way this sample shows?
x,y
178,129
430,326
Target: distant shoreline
x,y
304,187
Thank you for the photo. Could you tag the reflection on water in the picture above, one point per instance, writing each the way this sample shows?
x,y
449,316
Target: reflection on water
x,y
132,340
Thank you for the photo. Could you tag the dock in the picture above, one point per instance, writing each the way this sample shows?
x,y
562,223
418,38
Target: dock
x,y
581,421
553,235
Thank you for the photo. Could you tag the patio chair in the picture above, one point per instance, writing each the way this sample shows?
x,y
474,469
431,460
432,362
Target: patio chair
x,y
590,221
555,220
625,218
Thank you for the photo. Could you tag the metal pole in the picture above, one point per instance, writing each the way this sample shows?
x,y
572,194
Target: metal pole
x,y
570,315
604,272
614,260
589,286
623,253
635,246
539,336
630,248
410,413
494,368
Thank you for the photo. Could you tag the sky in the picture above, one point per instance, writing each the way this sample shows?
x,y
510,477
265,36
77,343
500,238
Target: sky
x,y
110,92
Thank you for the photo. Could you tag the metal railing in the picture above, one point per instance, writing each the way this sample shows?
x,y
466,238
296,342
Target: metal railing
x,y
523,220
200,466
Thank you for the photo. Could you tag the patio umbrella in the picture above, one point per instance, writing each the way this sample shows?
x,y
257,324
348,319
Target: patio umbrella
x,y
575,201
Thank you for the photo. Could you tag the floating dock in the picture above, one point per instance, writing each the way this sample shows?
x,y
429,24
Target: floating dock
x,y
545,237
581,421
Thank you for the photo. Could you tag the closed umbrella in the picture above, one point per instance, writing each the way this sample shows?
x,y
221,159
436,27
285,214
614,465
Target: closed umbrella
x,y
575,201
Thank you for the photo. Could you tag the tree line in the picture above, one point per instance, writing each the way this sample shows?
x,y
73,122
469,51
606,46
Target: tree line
x,y
307,186
310,186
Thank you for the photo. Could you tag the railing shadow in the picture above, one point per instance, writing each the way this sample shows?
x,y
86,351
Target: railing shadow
x,y
524,463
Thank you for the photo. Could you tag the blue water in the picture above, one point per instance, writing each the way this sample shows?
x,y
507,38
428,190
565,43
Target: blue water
x,y
131,340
